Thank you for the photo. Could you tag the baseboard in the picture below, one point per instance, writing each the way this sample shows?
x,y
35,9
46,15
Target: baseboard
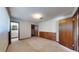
x,y
14,37
25,38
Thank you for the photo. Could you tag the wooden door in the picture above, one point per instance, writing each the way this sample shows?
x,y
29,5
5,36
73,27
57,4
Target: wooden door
x,y
34,30
66,32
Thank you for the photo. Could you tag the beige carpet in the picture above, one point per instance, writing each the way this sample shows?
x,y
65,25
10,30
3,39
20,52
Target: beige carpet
x,y
36,44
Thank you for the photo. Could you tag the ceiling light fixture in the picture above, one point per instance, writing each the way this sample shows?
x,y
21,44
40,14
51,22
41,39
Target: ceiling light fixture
x,y
37,16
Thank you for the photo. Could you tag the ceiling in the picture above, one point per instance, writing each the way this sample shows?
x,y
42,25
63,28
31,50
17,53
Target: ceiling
x,y
25,13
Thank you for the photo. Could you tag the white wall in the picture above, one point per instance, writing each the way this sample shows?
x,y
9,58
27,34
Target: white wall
x,y
50,26
47,26
4,29
25,29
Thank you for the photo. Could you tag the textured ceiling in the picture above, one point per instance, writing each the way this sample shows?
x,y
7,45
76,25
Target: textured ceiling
x,y
25,13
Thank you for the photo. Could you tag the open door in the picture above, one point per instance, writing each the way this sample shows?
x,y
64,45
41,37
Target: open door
x,y
14,31
34,30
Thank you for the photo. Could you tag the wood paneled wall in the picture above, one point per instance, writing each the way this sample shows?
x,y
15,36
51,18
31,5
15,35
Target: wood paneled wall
x,y
70,38
66,29
78,28
48,35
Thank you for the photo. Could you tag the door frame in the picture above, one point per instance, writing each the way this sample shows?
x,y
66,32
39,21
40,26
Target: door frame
x,y
18,31
31,30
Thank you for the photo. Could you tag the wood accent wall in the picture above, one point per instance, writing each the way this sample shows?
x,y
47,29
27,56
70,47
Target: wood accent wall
x,y
78,29
48,35
70,37
66,29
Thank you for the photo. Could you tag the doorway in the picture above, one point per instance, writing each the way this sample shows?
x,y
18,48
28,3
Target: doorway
x,y
14,31
34,30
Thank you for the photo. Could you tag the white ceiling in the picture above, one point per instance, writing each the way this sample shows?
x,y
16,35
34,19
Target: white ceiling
x,y
25,13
